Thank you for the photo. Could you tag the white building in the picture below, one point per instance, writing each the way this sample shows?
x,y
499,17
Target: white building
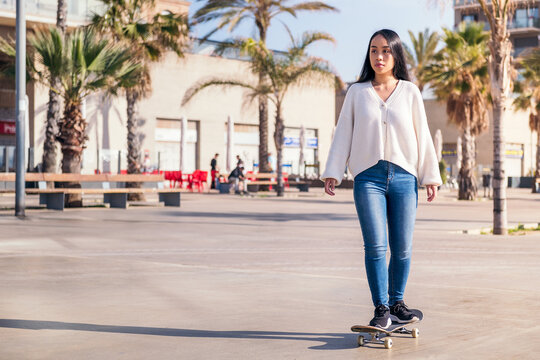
x,y
160,114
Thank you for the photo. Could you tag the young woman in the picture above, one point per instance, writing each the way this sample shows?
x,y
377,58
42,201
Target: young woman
x,y
383,136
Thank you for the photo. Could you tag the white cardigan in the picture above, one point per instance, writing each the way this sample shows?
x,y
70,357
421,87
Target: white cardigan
x,y
370,130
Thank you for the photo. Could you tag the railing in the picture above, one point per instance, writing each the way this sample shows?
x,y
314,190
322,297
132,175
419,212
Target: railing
x,y
78,10
532,22
466,2
475,2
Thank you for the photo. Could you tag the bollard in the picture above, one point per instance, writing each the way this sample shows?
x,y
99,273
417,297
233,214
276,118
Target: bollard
x,y
119,161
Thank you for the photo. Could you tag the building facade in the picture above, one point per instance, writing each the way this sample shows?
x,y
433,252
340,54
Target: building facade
x,y
520,152
159,115
524,26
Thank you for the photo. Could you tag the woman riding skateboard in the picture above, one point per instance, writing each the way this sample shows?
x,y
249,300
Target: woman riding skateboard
x,y
383,137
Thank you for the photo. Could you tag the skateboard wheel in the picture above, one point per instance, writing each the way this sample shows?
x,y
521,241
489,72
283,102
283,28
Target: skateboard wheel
x,y
360,340
415,333
388,343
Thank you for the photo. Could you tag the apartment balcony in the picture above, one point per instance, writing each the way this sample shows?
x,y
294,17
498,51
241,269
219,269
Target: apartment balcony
x,y
461,4
529,25
44,11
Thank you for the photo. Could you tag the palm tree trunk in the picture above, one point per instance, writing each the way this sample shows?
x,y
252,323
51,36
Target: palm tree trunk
x,y
499,69
264,166
263,131
51,130
500,221
537,172
134,152
278,139
263,135
72,136
61,15
466,179
53,110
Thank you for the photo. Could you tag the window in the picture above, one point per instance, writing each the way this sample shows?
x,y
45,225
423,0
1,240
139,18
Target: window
x,y
469,18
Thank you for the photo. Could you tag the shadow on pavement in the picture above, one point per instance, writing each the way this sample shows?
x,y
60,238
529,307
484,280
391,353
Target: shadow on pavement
x,y
331,341
275,216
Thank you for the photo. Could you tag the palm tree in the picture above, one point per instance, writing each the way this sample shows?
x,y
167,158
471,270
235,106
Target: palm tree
x,y
500,69
529,99
85,63
281,72
458,74
231,13
54,105
149,36
424,47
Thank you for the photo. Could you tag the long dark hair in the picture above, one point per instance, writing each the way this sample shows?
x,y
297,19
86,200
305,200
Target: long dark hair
x,y
400,65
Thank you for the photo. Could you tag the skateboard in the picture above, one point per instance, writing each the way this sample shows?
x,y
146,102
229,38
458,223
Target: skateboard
x,y
395,328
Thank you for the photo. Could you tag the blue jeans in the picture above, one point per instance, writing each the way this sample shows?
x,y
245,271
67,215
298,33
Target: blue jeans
x,y
385,193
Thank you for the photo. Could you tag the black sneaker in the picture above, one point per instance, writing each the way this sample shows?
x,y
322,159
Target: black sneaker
x,y
399,312
382,317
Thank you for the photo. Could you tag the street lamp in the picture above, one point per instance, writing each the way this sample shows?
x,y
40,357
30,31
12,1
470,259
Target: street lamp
x,y
20,108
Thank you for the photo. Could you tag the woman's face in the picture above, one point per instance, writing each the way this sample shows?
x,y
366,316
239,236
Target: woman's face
x,y
380,56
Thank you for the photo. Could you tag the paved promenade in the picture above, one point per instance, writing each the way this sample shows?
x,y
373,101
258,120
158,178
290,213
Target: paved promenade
x,y
230,277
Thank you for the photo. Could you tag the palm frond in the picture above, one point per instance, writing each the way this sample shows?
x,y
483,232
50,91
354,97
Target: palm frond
x,y
459,75
147,37
216,82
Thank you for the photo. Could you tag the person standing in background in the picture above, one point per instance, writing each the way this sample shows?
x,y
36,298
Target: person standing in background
x,y
214,169
239,161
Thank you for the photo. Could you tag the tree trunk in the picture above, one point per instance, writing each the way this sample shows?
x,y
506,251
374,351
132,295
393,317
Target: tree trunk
x,y
537,172
499,69
72,136
499,177
51,131
134,152
264,166
263,132
53,110
278,139
61,15
466,179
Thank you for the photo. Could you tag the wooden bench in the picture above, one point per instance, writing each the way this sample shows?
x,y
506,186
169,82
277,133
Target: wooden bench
x,y
256,179
271,179
116,197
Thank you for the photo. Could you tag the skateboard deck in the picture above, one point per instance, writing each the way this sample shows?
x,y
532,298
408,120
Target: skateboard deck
x,y
376,332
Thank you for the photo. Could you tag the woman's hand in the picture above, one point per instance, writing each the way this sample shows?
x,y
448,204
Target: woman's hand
x,y
431,192
330,186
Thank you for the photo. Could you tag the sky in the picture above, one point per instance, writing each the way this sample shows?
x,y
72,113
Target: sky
x,y
351,27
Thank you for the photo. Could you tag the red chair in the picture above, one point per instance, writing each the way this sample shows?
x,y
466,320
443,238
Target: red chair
x,y
196,180
191,179
178,180
203,180
168,175
285,180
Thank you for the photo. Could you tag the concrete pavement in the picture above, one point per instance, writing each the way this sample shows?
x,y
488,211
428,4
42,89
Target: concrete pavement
x,y
232,277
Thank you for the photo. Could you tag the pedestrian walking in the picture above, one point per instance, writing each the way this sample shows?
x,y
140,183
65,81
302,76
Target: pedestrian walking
x,y
383,137
214,170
